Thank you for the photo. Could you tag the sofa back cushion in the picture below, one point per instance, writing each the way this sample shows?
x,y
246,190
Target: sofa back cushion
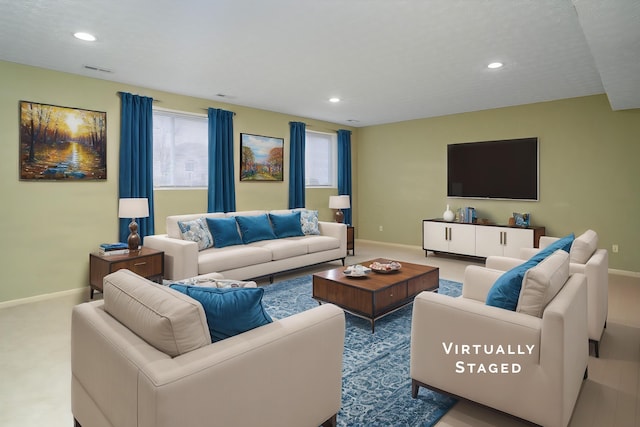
x,y
166,319
583,247
542,283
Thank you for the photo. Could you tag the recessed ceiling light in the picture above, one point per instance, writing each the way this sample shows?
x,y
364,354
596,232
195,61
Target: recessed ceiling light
x,y
85,36
495,65
334,99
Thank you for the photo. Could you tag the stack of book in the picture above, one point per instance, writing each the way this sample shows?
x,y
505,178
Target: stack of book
x,y
114,248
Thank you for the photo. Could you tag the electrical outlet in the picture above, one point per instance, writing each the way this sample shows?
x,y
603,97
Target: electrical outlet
x,y
380,228
614,248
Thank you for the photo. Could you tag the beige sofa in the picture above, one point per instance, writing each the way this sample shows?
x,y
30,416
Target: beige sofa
x,y
538,373
247,261
585,258
143,357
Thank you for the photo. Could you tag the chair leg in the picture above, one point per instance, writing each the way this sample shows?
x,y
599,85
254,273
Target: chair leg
x,y
586,373
331,422
76,423
414,388
597,348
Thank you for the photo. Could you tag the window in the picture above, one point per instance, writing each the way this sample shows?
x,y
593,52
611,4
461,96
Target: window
x,y
320,159
180,147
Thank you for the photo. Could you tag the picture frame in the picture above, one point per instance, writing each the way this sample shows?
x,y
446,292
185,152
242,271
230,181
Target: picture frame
x,y
261,158
62,143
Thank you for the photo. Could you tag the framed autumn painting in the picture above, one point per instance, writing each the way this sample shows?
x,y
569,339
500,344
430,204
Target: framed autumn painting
x,y
261,158
62,143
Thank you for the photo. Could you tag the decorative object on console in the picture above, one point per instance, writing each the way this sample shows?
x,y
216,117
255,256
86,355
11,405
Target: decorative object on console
x,y
133,208
448,215
467,215
339,203
522,219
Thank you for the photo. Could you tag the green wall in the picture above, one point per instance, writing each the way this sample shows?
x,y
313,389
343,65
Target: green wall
x,y
48,229
588,168
589,172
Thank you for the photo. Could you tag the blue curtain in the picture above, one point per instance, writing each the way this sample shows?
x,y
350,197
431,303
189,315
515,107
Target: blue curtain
x,y
136,159
344,170
222,191
296,165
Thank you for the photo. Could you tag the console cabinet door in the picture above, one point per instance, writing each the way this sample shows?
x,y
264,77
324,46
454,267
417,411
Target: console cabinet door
x,y
504,241
435,236
517,238
462,239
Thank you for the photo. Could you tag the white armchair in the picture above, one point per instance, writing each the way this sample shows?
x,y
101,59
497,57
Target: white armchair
x,y
527,366
585,258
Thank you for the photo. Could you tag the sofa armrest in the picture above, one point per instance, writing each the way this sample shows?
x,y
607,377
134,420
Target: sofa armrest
x,y
597,272
337,230
180,256
478,281
288,372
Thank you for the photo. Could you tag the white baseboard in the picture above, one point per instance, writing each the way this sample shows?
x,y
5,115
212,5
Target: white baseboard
x,y
624,273
43,297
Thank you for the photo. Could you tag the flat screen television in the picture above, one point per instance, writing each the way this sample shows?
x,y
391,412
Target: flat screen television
x,y
506,169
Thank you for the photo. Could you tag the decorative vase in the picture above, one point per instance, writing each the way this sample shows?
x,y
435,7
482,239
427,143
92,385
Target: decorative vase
x,y
448,215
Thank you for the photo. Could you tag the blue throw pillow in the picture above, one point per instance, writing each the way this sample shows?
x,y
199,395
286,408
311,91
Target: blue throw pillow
x,y
229,311
255,228
286,225
224,231
506,290
563,243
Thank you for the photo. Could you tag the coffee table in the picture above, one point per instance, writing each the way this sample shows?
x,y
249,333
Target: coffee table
x,y
376,294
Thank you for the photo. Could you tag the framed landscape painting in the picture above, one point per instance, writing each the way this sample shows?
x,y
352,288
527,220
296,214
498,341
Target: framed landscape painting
x,y
261,158
62,143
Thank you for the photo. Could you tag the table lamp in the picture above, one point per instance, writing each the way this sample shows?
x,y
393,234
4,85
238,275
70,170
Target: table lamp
x,y
133,208
339,203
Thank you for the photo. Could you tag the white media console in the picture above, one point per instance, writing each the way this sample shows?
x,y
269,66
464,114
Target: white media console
x,y
478,240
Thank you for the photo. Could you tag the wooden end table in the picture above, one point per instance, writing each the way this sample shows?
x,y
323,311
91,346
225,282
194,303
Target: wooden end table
x,y
146,262
374,295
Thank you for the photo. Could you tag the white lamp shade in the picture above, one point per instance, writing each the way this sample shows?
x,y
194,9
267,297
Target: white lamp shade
x,y
339,202
133,208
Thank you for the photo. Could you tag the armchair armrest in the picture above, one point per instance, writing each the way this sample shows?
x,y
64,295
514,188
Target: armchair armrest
x,y
478,281
287,372
180,256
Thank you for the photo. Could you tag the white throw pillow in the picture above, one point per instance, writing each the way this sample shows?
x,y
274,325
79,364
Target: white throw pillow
x,y
583,247
542,283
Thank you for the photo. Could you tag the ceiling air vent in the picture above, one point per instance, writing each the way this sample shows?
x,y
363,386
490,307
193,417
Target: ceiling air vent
x,y
94,68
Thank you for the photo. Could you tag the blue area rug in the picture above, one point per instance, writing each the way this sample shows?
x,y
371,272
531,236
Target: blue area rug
x,y
376,387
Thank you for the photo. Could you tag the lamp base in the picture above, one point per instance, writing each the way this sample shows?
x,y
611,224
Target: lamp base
x,y
339,216
134,238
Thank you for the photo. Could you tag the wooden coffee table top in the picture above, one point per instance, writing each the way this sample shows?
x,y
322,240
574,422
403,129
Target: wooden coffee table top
x,y
374,281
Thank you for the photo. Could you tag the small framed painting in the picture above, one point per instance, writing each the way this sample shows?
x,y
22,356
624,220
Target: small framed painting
x,y
261,158
62,143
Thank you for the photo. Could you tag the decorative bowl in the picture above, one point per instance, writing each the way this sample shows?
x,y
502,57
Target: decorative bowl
x,y
385,267
356,271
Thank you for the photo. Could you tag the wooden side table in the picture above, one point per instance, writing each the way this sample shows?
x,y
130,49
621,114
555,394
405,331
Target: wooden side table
x,y
146,262
351,245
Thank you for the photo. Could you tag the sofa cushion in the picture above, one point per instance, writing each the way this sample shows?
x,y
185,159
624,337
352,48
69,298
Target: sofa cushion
x,y
321,243
171,223
283,248
309,222
286,225
167,320
255,228
224,232
231,257
542,282
196,230
583,247
229,311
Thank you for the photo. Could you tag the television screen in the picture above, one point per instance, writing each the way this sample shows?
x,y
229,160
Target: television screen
x,y
506,169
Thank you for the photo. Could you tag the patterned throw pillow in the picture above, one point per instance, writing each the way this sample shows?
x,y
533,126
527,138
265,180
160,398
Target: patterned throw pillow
x,y
196,231
309,222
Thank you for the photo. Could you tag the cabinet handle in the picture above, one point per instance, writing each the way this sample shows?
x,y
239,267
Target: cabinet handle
x,y
139,263
505,238
450,233
501,237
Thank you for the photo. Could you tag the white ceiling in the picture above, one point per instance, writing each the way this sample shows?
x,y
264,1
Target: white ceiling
x,y
389,60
